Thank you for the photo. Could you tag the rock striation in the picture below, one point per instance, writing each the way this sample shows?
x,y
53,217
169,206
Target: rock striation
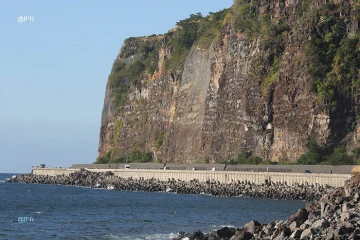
x,y
254,84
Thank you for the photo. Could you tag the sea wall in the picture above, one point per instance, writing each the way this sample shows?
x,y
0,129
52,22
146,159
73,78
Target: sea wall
x,y
108,180
338,169
334,180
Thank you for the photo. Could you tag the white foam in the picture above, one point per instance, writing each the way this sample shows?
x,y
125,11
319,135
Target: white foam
x,y
143,237
213,228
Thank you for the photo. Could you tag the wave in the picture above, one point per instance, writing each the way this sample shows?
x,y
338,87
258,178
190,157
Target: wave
x,y
142,237
213,228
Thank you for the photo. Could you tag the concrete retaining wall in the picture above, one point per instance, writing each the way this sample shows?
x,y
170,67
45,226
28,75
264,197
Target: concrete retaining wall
x,y
171,166
340,169
335,180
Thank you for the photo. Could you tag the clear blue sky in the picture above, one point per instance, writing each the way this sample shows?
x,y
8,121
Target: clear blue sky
x,y
54,71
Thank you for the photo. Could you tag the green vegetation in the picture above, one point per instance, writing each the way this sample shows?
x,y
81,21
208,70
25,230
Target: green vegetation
x,y
117,126
316,155
160,139
335,59
137,58
245,157
145,51
121,78
272,76
247,20
312,156
195,30
210,27
135,156
206,160
104,159
246,17
305,6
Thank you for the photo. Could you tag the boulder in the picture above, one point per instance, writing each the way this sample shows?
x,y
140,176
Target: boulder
x,y
348,192
198,235
294,225
296,234
305,233
356,196
345,216
356,234
268,230
300,216
324,209
282,232
330,235
225,232
317,224
243,235
252,227
345,207
314,214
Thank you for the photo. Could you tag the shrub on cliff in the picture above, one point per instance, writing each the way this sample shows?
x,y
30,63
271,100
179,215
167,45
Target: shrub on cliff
x,y
334,59
101,160
142,157
246,157
134,156
195,30
315,155
339,157
121,77
160,139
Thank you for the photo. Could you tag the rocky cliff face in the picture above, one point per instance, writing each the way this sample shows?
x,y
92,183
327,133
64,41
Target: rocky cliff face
x,y
255,84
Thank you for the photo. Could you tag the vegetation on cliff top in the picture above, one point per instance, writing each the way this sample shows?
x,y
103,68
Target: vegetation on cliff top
x,y
272,34
333,60
125,73
193,31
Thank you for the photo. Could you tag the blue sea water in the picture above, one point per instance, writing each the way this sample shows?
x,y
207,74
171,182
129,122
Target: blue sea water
x,y
66,212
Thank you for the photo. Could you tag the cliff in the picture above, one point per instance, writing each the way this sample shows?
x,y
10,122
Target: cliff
x,y
262,76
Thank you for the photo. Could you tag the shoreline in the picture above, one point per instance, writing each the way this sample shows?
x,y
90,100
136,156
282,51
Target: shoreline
x,y
335,215
107,180
330,213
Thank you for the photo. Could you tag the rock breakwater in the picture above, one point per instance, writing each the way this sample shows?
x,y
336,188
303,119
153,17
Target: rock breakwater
x,y
336,215
107,180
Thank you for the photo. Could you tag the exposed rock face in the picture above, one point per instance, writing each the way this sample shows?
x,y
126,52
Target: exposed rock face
x,y
222,100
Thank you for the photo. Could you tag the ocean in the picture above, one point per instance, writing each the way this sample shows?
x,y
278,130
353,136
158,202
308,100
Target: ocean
x,y
35,211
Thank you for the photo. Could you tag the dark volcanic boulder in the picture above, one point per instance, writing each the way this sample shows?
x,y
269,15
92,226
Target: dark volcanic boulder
x,y
225,232
198,235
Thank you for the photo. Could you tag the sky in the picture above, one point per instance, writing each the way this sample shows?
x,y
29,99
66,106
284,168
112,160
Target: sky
x,y
55,60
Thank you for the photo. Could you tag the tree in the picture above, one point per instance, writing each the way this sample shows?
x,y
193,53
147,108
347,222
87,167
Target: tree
x,y
313,155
